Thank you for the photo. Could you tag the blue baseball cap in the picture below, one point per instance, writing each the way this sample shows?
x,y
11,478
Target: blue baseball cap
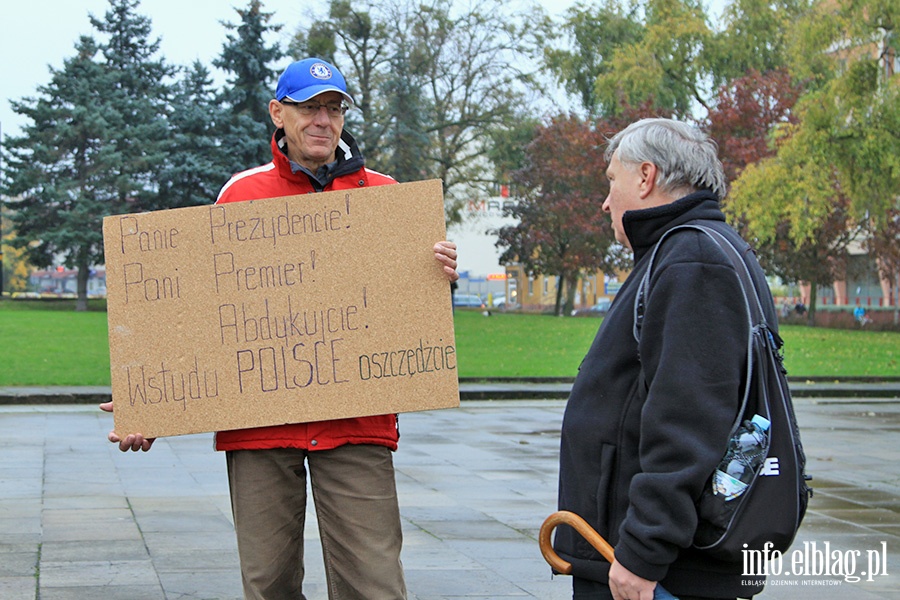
x,y
310,77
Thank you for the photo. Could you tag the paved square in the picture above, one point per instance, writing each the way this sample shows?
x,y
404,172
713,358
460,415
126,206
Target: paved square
x,y
80,520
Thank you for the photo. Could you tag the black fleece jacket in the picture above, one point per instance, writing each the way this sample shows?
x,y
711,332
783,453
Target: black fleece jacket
x,y
645,426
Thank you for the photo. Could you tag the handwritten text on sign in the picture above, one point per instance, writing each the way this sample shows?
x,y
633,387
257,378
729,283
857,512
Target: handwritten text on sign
x,y
284,310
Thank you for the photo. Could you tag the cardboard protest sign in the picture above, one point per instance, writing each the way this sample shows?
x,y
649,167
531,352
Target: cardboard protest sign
x,y
286,310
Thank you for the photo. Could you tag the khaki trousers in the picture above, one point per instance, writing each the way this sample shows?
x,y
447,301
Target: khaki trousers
x,y
355,495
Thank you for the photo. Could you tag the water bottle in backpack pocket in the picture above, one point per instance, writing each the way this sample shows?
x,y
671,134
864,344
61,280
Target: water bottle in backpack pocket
x,y
747,450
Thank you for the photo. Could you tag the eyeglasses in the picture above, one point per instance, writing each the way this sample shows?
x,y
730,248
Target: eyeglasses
x,y
335,110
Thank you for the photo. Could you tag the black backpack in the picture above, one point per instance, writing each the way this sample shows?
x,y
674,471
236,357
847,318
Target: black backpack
x,y
767,515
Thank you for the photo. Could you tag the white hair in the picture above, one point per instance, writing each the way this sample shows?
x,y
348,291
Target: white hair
x,y
685,156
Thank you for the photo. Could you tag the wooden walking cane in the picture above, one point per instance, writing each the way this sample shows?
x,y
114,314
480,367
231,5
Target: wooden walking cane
x,y
582,527
593,538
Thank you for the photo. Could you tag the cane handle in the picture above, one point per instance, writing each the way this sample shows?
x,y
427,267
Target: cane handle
x,y
582,527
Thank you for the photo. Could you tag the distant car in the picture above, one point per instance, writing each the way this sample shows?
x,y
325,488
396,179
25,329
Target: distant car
x,y
499,301
597,310
468,301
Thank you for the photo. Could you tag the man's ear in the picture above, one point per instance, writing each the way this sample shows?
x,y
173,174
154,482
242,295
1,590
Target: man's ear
x,y
275,110
648,173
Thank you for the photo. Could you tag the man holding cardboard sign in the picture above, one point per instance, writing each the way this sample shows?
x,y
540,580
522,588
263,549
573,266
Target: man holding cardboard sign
x,y
349,460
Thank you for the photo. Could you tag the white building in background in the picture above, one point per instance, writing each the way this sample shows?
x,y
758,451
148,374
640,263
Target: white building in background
x,y
479,258
481,272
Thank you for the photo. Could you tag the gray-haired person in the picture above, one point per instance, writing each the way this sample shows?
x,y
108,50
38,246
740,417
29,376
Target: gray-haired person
x,y
647,423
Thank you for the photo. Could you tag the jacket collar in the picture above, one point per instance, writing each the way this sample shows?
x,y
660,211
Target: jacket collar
x,y
349,159
645,227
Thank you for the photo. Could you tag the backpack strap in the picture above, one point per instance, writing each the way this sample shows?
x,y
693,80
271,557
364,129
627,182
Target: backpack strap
x,y
755,314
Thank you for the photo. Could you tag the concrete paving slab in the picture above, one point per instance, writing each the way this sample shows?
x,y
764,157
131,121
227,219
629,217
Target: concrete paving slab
x,y
15,564
97,573
17,588
106,592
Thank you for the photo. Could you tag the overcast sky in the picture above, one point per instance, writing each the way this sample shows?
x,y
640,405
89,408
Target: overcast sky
x,y
36,36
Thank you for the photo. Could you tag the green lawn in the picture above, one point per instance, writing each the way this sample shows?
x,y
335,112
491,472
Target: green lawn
x,y
521,345
543,345
52,345
49,344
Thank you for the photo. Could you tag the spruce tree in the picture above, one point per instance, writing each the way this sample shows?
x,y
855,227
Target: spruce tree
x,y
406,137
94,147
247,60
194,169
137,102
62,172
